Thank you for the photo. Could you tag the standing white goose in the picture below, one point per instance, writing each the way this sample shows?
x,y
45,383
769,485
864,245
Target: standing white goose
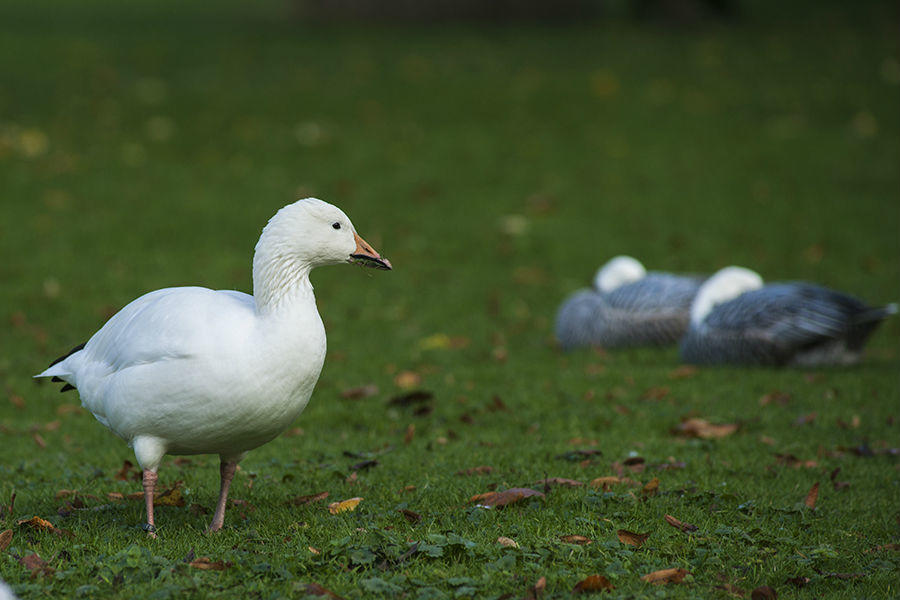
x,y
190,370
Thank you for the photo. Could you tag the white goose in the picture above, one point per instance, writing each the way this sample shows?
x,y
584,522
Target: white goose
x,y
190,370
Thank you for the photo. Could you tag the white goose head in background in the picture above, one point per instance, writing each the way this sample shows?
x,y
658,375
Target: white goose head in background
x,y
617,272
725,285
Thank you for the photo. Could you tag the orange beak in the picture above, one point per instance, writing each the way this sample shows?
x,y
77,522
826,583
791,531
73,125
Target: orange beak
x,y
367,256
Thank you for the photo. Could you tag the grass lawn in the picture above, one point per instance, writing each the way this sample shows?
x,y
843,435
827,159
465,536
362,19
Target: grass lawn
x,y
145,147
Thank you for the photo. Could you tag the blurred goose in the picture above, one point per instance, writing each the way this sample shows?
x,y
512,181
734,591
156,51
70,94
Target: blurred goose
x,y
189,370
736,319
627,307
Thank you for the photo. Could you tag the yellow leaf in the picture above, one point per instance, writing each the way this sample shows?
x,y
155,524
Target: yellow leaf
x,y
344,505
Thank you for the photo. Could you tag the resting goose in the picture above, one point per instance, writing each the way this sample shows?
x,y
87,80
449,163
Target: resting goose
x,y
190,370
627,307
736,319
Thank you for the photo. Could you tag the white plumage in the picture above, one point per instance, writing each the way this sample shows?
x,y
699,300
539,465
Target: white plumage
x,y
190,370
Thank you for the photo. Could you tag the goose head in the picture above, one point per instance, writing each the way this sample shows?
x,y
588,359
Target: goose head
x,y
725,285
617,272
301,236
313,233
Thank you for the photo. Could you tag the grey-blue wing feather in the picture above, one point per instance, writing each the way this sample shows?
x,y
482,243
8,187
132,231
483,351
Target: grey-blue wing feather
x,y
775,324
653,311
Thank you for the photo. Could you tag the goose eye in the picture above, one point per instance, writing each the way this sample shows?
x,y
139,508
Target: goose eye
x,y
335,225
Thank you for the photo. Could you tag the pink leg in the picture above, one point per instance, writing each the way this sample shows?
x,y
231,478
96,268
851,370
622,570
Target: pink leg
x,y
226,472
149,487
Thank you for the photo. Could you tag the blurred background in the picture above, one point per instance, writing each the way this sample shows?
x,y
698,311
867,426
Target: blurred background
x,y
496,152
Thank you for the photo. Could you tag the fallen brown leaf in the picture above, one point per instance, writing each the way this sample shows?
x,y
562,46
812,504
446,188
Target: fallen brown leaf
x,y
812,496
314,589
115,496
731,589
776,397
410,433
37,565
537,589
686,527
593,583
651,487
763,592
39,440
207,564
655,393
407,379
631,538
507,542
410,516
37,523
683,372
410,398
344,505
5,539
894,547
169,497
806,419
559,481
798,581
301,500
510,496
480,470
611,480
127,472
665,576
703,429
579,540
363,391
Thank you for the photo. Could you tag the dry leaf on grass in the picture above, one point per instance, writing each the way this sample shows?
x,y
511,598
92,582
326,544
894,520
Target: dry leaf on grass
x,y
411,517
363,391
593,583
207,564
407,379
812,496
894,547
507,542
170,497
510,496
651,487
631,538
127,472
301,500
579,540
763,592
39,524
481,470
6,539
609,481
37,565
666,576
799,581
410,433
683,372
559,481
314,589
537,589
775,397
344,505
703,429
686,527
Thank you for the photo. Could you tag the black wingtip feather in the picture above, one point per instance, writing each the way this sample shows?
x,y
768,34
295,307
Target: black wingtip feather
x,y
67,387
71,352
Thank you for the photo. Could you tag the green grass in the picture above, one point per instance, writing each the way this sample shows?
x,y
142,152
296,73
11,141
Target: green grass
x,y
144,147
